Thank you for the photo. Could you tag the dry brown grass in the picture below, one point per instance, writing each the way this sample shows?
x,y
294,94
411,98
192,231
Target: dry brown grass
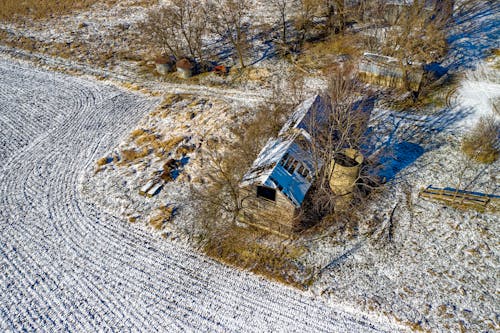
x,y
137,133
163,216
74,50
185,149
38,9
168,169
157,222
131,155
166,145
483,142
322,55
146,138
103,161
239,247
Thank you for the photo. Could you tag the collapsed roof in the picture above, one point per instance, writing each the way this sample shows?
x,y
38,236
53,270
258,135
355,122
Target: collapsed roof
x,y
286,163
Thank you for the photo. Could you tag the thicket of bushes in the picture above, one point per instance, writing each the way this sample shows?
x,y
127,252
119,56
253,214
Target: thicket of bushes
x,y
13,9
483,142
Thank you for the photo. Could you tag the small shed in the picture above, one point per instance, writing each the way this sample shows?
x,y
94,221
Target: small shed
x,y
386,71
164,64
280,177
185,68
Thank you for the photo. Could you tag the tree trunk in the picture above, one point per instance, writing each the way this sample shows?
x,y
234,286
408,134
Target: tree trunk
x,y
283,19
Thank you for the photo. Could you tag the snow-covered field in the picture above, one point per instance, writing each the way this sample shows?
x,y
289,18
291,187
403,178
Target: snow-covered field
x,y
69,261
66,265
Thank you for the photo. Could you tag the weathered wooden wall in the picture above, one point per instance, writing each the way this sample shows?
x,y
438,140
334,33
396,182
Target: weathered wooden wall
x,y
277,216
393,80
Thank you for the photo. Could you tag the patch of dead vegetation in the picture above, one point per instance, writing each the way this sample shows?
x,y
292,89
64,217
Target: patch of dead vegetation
x,y
103,161
162,147
325,54
146,138
163,215
168,169
482,144
261,253
129,156
100,56
12,10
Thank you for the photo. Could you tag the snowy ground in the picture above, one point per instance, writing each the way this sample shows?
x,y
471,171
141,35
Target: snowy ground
x,y
193,121
68,266
72,263
440,268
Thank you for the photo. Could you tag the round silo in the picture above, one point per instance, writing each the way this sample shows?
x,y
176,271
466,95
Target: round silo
x,y
344,174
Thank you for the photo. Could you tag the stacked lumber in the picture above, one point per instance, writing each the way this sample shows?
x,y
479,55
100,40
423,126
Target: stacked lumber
x,y
458,198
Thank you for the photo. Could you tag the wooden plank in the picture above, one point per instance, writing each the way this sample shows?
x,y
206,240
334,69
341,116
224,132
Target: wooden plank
x,y
450,197
457,198
146,187
154,190
454,193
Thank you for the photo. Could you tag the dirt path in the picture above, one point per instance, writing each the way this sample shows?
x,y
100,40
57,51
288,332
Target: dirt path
x,y
245,96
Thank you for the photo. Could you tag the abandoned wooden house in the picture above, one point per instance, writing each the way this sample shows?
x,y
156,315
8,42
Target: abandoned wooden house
x,y
387,71
282,174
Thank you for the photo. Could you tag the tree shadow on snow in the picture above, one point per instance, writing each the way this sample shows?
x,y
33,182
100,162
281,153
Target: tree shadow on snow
x,y
475,31
397,139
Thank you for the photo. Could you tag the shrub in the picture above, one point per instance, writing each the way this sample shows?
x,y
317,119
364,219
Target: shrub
x,y
483,142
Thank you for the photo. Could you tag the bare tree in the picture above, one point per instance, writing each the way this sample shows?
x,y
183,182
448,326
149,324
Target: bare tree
x,y
334,11
336,14
191,24
160,32
304,18
230,19
178,28
417,38
221,199
282,8
343,124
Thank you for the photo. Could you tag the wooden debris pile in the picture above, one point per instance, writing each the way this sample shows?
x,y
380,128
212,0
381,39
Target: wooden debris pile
x,y
462,199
